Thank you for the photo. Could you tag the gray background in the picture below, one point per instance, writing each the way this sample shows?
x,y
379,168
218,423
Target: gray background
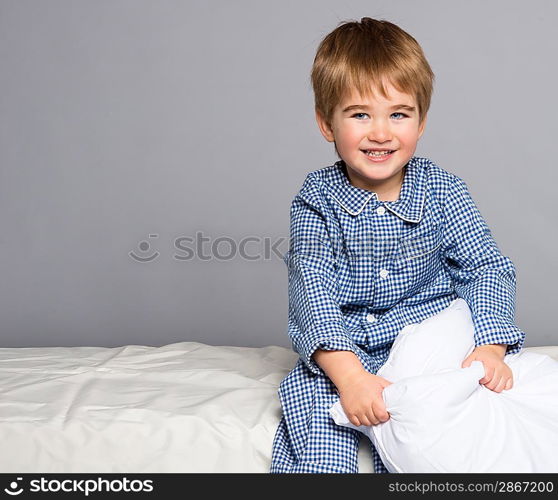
x,y
128,118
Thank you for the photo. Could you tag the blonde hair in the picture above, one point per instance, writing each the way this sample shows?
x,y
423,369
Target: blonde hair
x,y
362,56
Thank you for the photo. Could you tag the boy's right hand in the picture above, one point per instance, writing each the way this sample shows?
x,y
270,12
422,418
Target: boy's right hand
x,y
361,398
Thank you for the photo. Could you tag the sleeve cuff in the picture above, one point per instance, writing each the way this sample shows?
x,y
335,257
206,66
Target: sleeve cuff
x,y
330,336
493,329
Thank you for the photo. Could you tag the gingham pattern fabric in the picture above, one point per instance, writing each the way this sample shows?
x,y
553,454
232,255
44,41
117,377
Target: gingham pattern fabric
x,y
360,270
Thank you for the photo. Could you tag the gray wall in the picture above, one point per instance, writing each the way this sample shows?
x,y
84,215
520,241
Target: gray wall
x,y
129,118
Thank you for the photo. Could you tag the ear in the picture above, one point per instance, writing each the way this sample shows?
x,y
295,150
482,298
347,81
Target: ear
x,y
324,127
422,126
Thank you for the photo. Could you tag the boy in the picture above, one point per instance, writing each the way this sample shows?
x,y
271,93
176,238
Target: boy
x,y
380,240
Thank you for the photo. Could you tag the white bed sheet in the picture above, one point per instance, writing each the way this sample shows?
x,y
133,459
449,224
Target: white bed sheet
x,y
184,407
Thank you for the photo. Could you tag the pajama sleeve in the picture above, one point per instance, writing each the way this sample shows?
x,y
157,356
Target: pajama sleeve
x,y
315,318
482,276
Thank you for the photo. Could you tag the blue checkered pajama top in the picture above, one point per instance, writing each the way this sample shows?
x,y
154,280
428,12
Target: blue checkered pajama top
x,y
360,270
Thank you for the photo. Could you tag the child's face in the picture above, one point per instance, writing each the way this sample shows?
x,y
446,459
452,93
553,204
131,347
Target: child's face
x,y
375,123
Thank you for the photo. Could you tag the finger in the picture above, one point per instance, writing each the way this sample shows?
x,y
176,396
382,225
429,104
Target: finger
x,y
380,413
373,419
467,362
384,417
491,384
501,384
488,375
494,382
364,420
384,382
354,420
509,384
372,416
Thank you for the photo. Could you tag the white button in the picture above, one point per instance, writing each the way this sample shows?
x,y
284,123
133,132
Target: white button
x,y
384,273
381,210
370,317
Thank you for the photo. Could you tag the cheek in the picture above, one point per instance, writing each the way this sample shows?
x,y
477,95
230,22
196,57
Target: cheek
x,y
409,137
348,136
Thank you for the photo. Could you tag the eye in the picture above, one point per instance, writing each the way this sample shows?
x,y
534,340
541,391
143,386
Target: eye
x,y
359,115
401,114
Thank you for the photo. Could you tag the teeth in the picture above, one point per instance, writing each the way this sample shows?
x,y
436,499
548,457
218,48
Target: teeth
x,y
378,153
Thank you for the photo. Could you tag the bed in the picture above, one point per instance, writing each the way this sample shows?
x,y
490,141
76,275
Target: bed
x,y
183,407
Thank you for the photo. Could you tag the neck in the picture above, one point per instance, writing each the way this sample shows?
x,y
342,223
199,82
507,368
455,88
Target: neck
x,y
385,192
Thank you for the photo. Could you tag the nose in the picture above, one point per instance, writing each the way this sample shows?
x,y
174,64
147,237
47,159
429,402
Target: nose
x,y
379,131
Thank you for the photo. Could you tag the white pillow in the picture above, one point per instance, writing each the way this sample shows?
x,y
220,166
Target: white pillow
x,y
443,420
438,343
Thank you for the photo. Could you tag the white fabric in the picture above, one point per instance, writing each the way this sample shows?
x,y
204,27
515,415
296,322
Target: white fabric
x,y
443,420
185,407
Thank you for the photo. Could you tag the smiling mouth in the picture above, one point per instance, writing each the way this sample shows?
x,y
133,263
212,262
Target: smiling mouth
x,y
377,154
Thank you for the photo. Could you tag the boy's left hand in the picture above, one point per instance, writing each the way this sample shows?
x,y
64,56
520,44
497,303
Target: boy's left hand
x,y
497,374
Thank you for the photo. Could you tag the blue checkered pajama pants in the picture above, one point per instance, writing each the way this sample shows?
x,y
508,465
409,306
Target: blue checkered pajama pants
x,y
307,439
